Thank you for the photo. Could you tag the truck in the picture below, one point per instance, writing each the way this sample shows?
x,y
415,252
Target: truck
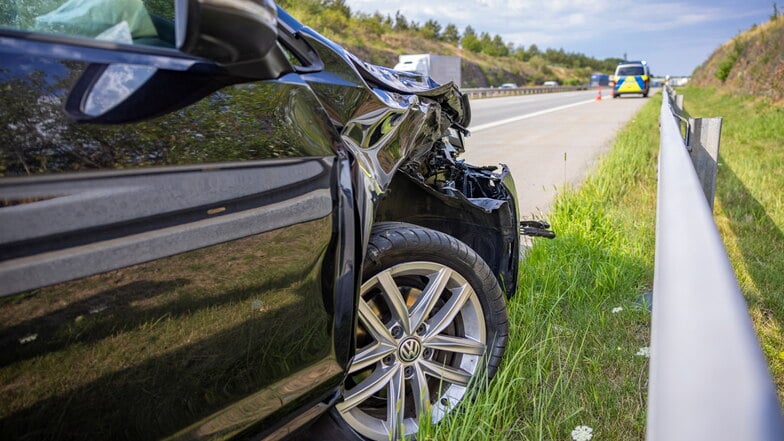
x,y
441,68
600,79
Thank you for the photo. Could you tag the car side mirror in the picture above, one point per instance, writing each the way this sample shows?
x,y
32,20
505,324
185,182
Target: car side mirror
x,y
239,35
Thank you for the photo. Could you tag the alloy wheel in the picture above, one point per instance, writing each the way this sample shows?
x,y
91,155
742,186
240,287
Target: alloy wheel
x,y
420,342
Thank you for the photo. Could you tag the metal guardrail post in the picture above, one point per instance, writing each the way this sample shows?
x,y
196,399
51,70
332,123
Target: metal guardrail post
x,y
708,377
704,137
702,141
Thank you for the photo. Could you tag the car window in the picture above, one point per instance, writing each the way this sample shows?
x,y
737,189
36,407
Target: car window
x,y
143,22
630,70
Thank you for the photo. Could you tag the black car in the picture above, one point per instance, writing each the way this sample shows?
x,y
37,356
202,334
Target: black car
x,y
216,223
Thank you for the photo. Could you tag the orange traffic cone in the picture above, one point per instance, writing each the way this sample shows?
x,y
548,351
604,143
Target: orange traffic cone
x,y
599,94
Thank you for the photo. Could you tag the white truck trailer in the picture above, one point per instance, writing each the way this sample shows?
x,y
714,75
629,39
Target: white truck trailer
x,y
441,68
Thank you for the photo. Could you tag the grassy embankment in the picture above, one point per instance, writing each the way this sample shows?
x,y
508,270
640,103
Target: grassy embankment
x,y
750,63
749,207
743,81
571,360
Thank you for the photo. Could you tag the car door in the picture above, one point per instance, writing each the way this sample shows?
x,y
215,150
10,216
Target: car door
x,y
171,238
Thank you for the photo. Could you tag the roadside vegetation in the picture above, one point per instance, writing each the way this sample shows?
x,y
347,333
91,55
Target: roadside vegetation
x,y
577,348
743,81
749,206
488,60
751,63
577,354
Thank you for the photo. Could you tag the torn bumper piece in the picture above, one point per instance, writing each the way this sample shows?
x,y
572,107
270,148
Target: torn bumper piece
x,y
535,228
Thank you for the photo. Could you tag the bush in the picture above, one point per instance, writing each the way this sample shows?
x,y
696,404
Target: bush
x,y
726,65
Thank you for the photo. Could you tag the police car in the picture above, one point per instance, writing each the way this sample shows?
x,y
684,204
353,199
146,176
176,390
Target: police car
x,y
631,77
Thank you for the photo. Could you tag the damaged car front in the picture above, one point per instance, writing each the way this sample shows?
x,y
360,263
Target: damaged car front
x,y
216,223
441,240
406,133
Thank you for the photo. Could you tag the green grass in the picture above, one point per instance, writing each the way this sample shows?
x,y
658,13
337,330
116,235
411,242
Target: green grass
x,y
749,207
570,361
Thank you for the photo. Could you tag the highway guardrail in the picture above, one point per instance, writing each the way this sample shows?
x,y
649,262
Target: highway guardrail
x,y
489,92
708,377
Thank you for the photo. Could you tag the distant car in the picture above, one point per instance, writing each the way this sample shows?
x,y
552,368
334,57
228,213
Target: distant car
x,y
631,77
599,79
508,86
550,83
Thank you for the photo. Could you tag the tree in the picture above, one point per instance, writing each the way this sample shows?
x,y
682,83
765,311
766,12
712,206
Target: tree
x,y
469,41
374,23
431,30
493,46
451,34
485,43
519,53
338,5
401,24
532,51
498,48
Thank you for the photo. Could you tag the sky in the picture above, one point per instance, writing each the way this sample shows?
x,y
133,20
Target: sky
x,y
673,36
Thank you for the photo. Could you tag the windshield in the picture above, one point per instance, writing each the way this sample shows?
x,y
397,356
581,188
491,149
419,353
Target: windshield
x,y
630,70
147,22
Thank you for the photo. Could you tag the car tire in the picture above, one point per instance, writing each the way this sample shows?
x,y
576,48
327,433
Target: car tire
x,y
432,325
645,94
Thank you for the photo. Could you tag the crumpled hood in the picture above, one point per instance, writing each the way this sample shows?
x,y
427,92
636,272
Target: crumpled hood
x,y
454,102
386,118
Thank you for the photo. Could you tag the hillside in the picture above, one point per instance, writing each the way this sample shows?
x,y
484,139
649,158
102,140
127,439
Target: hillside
x,y
489,62
751,63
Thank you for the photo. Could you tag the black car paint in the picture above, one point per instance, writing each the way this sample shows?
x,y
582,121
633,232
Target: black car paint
x,y
117,220
189,268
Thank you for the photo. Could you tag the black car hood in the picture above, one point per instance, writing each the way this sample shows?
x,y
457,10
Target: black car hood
x,y
448,95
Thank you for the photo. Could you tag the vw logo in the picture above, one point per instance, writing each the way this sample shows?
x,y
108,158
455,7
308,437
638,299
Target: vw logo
x,y
409,350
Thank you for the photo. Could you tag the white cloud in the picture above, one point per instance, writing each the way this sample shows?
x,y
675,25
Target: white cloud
x,y
554,22
677,34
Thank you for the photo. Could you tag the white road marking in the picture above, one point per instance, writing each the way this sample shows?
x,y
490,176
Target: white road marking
x,y
526,116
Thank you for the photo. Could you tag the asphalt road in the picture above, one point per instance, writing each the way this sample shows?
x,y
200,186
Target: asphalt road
x,y
548,141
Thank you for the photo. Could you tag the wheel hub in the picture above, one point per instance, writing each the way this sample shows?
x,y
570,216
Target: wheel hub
x,y
409,350
397,376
